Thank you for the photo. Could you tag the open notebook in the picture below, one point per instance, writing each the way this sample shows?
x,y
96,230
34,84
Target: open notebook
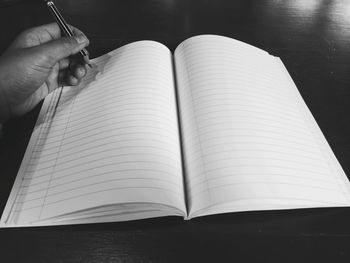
x,y
217,127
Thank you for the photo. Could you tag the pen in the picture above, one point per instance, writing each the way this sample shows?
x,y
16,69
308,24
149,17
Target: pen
x,y
65,28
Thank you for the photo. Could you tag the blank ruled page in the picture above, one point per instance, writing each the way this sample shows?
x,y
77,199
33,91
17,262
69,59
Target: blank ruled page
x,y
112,140
250,142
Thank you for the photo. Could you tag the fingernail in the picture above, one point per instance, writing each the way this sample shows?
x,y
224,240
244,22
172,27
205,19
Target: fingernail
x,y
81,39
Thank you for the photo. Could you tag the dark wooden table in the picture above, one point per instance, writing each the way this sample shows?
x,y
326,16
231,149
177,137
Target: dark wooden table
x,y
313,39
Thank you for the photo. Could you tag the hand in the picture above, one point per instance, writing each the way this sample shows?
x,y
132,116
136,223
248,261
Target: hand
x,y
36,63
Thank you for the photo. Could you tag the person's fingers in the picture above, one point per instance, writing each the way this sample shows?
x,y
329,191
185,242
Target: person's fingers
x,y
75,64
79,71
52,79
52,52
65,78
52,31
76,31
48,32
72,81
36,36
77,67
64,63
39,35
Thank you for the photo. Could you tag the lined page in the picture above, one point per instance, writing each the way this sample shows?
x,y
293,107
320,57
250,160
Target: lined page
x,y
250,142
112,140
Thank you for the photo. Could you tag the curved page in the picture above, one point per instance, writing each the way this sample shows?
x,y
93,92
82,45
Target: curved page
x,y
250,142
112,140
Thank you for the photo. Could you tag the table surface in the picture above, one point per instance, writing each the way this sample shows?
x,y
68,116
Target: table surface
x,y
312,37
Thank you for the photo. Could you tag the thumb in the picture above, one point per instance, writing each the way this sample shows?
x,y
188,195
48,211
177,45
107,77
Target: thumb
x,y
58,49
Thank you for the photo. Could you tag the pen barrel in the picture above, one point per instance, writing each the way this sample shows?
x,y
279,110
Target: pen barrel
x,y
59,19
65,28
